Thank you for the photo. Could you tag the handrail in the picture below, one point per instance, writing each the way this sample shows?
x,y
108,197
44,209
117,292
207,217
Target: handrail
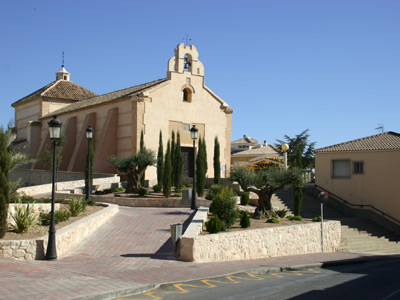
x,y
357,205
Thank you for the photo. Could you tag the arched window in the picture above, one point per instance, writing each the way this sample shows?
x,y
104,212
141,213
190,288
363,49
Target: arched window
x,y
187,95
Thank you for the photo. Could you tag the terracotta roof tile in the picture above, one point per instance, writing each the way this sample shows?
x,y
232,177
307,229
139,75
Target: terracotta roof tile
x,y
246,140
384,141
256,151
106,97
60,89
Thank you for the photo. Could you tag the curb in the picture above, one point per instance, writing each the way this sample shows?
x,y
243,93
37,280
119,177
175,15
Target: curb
x,y
120,293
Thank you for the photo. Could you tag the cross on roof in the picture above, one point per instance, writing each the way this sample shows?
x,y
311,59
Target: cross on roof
x,y
187,40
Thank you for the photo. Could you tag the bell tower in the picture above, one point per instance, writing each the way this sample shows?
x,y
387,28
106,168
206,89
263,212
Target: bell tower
x,y
185,61
62,74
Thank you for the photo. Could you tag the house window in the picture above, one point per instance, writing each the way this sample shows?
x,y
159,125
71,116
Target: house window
x,y
186,127
187,95
358,167
341,168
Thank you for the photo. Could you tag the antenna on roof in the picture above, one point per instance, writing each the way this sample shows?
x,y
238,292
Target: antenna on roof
x,y
63,59
380,126
187,40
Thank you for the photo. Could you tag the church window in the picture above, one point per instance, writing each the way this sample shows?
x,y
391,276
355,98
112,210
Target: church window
x,y
187,95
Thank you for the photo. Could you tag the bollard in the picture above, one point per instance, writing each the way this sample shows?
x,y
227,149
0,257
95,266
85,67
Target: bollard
x,y
186,197
176,233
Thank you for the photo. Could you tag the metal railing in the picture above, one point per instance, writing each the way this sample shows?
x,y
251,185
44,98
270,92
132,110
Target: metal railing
x,y
361,206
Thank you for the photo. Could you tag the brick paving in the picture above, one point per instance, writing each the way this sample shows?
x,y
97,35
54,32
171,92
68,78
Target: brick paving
x,y
132,251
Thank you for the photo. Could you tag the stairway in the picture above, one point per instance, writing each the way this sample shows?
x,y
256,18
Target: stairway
x,y
358,235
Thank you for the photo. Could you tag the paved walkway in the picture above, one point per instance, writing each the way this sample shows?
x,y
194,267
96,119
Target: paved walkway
x,y
132,252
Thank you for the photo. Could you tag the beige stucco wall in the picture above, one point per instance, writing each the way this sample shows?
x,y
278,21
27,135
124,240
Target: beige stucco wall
x,y
377,186
165,104
25,112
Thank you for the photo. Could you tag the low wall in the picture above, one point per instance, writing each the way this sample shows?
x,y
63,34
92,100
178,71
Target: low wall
x,y
67,237
38,177
141,202
68,185
259,243
37,209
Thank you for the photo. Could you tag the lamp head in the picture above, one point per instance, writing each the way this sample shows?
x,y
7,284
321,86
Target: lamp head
x,y
285,147
55,128
89,132
194,132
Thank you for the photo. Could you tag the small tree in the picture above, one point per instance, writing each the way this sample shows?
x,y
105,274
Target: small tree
x,y
160,161
91,166
167,172
178,164
142,146
300,141
134,167
201,168
217,163
173,157
264,183
298,190
5,160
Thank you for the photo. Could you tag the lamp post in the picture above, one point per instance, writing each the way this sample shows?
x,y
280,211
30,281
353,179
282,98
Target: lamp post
x,y
55,132
89,135
194,134
285,148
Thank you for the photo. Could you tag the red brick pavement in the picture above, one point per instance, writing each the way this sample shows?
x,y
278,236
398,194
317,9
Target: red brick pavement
x,y
133,250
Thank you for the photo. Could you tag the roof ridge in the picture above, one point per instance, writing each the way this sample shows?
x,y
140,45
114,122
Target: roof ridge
x,y
55,83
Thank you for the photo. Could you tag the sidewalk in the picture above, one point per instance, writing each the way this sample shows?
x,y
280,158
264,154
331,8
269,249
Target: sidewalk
x,y
131,253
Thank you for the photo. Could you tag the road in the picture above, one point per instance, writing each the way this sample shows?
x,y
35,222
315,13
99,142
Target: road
x,y
370,280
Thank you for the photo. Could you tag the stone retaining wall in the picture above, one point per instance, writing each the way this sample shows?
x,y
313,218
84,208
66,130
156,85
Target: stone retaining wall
x,y
37,209
66,238
68,185
259,243
145,201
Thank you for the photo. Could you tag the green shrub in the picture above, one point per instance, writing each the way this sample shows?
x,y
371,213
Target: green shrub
x,y
59,216
91,202
213,191
214,225
245,220
117,195
26,199
281,212
48,200
273,220
24,218
245,199
224,207
110,191
141,191
295,218
190,185
157,188
177,195
76,206
317,219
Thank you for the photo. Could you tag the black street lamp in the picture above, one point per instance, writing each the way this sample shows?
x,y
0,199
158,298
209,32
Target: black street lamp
x,y
55,133
194,134
89,135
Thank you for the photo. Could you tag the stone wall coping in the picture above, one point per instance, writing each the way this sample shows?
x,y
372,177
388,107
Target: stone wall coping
x,y
196,225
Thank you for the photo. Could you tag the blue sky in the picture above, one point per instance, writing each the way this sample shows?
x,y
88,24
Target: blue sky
x,y
282,65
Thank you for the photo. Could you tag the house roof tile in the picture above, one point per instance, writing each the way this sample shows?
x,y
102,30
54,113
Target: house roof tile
x,y
384,141
256,151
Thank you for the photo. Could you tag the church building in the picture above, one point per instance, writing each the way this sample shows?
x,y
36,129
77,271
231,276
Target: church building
x,y
174,103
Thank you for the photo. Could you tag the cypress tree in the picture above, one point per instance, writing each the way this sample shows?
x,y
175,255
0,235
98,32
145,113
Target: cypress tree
x,y
142,181
173,157
91,166
298,191
160,161
178,164
217,163
167,172
5,160
201,168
